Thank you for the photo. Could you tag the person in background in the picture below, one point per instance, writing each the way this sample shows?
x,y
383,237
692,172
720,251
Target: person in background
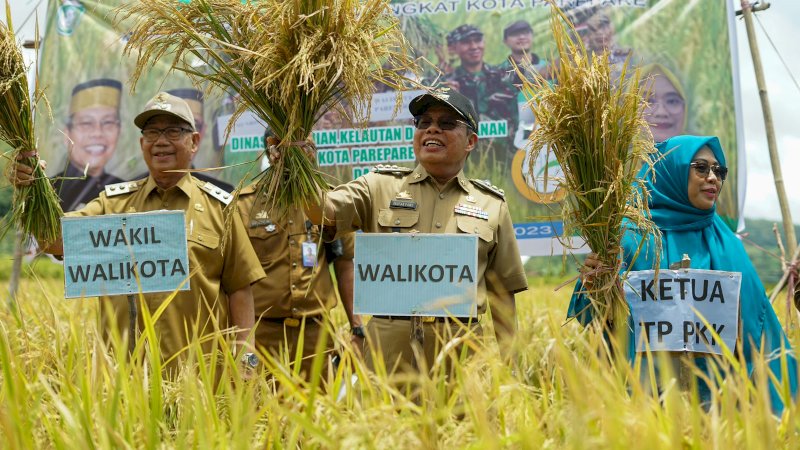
x,y
518,37
92,132
666,111
291,305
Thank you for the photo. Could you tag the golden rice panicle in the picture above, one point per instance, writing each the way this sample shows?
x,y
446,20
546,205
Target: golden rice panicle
x,y
35,209
591,117
287,61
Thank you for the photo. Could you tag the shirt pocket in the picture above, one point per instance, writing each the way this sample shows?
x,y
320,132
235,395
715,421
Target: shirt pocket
x,y
204,251
480,228
395,219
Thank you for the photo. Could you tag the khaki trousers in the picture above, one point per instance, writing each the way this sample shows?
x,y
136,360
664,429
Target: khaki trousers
x,y
281,341
394,340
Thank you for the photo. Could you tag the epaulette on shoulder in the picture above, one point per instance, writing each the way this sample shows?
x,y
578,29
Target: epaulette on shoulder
x,y
392,169
217,192
487,185
126,187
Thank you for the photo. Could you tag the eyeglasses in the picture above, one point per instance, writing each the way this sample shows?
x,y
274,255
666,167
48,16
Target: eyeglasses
x,y
444,124
671,102
88,126
702,168
172,133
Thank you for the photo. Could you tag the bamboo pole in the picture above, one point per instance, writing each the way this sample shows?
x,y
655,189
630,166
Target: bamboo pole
x,y
786,214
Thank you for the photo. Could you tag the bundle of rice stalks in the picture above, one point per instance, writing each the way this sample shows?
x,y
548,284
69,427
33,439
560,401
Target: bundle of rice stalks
x,y
592,120
288,61
35,209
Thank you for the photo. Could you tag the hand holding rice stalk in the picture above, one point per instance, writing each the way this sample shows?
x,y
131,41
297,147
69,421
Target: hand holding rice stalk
x,y
289,62
593,123
36,209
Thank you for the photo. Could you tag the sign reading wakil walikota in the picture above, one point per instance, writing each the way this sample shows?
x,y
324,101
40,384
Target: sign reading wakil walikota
x,y
684,310
125,254
416,274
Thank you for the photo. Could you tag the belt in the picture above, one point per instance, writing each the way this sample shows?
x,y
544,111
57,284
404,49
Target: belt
x,y
292,322
431,319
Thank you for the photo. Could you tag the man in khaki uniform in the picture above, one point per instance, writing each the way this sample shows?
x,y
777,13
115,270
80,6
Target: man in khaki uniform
x,y
435,197
221,260
290,304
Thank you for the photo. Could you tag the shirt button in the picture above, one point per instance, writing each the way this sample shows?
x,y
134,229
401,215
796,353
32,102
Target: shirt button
x,y
476,229
291,222
397,222
293,288
200,238
292,242
438,224
295,310
441,195
294,265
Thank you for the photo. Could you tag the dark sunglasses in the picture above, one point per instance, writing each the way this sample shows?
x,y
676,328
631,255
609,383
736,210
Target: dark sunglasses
x,y
702,168
444,123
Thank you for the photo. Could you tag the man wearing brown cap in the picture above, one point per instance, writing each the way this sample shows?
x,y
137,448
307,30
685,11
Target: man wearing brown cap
x,y
221,260
91,135
446,124
481,83
194,98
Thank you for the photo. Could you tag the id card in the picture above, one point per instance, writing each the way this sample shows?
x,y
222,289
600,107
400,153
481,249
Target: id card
x,y
309,254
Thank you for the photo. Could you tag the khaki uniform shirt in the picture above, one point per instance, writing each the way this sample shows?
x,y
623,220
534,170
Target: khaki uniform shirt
x,y
291,289
220,260
364,204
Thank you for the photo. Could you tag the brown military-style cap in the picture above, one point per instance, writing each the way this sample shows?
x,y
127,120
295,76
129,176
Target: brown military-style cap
x,y
164,103
450,98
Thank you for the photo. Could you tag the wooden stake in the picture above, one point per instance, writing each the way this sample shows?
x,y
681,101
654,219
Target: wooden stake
x,y
788,227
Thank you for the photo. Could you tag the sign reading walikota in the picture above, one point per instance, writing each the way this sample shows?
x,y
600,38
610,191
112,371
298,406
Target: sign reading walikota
x,y
416,274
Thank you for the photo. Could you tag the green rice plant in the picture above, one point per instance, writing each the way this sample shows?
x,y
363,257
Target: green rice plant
x,y
63,386
593,122
288,61
35,208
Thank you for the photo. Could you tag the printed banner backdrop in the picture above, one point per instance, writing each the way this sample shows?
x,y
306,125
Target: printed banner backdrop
x,y
683,46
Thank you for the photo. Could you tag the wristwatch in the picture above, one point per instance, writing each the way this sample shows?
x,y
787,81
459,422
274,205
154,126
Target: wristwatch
x,y
250,360
358,331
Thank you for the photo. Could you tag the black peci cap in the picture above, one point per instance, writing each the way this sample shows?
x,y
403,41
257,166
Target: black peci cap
x,y
517,27
450,98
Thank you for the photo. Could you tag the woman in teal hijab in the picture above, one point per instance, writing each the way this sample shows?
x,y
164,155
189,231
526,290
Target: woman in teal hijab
x,y
683,188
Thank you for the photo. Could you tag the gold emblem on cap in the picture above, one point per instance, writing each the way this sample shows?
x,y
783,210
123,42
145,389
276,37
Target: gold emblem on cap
x,y
161,102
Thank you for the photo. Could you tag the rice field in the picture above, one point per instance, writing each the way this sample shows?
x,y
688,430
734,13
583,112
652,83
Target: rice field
x,y
61,387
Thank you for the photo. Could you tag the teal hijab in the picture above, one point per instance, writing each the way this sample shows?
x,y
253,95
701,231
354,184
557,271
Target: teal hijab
x,y
710,244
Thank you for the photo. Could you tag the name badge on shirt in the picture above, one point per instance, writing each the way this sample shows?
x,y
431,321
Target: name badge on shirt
x,y
403,204
309,254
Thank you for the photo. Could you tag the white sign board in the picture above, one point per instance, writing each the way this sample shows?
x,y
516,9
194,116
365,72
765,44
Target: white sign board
x,y
667,309
125,254
416,274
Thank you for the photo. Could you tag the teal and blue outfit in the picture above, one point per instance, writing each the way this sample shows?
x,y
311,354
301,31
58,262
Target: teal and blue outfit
x,y
710,244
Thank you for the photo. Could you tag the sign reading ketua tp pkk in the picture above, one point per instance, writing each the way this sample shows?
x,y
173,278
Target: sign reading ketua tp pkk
x,y
125,254
416,274
668,310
